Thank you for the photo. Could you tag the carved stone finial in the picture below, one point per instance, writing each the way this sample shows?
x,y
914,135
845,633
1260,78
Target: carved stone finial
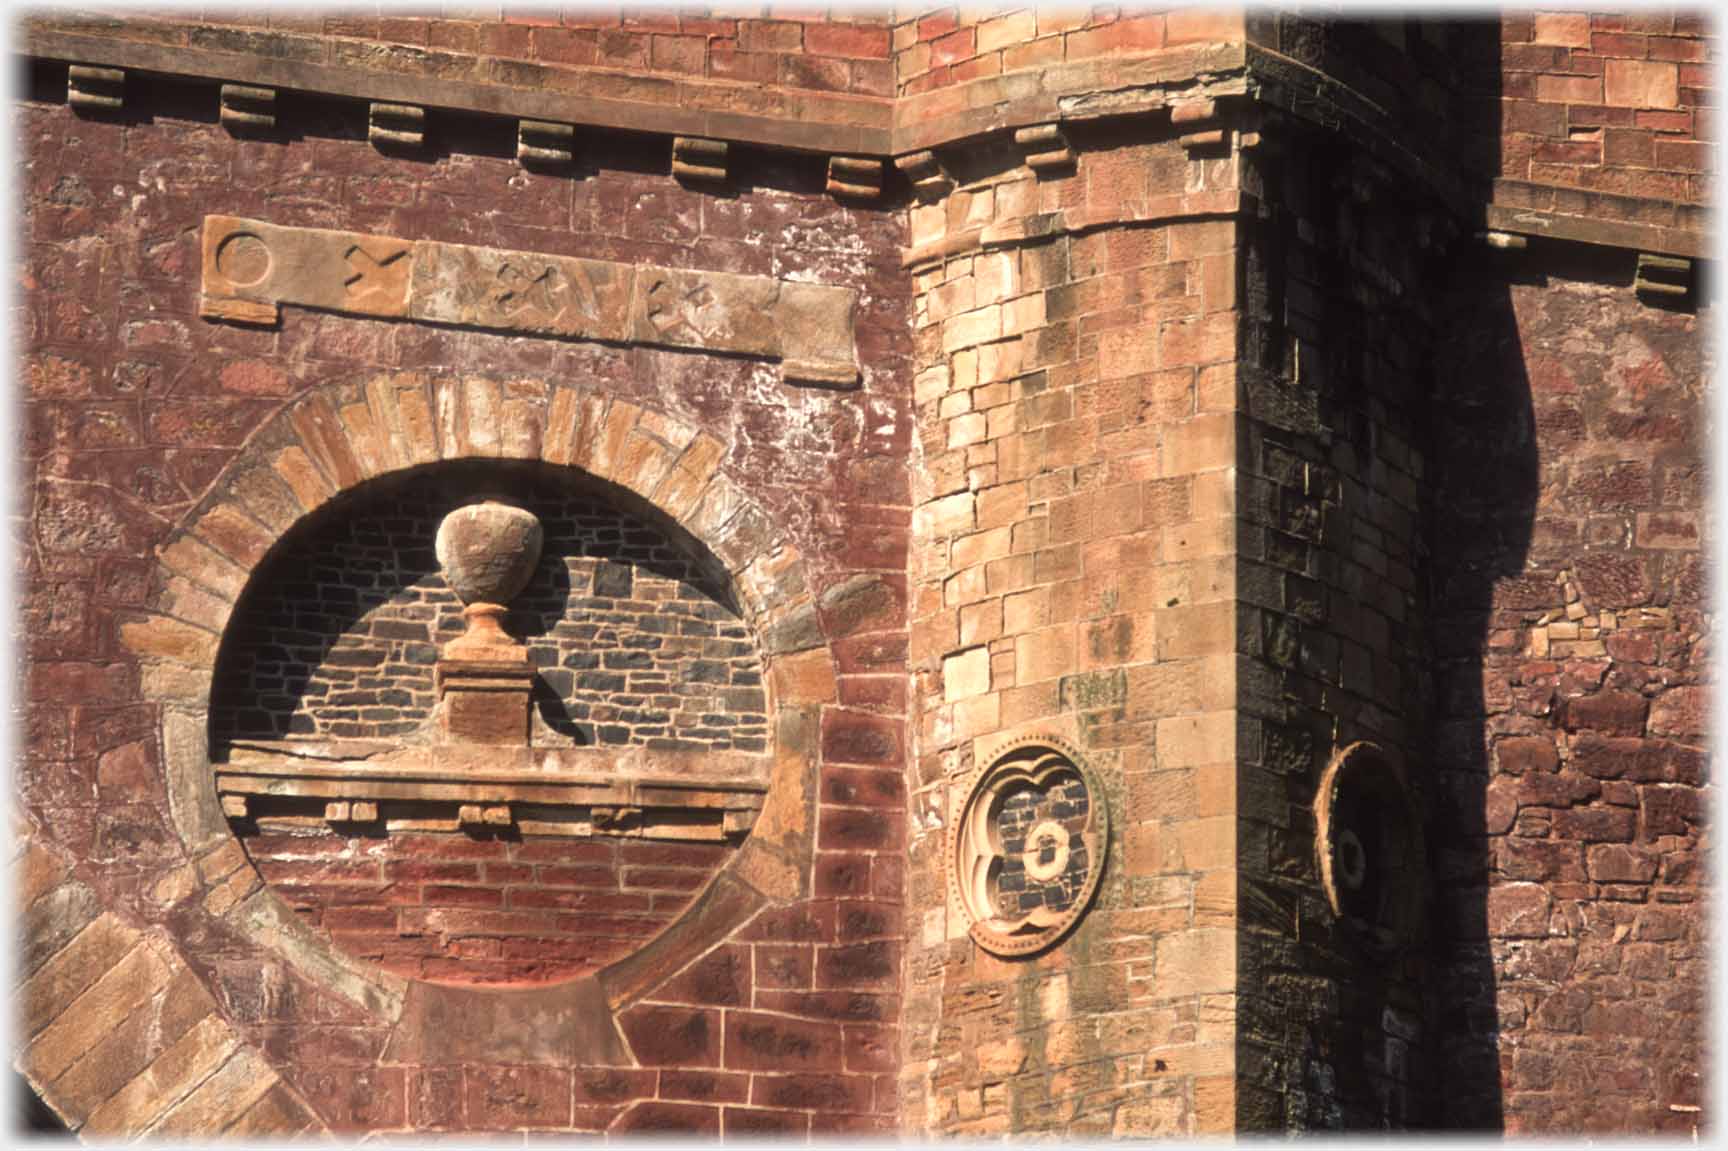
x,y
488,552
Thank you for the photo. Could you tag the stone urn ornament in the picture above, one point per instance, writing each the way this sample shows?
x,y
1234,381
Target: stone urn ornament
x,y
488,552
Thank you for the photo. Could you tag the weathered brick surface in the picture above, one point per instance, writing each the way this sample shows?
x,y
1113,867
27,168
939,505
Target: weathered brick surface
x,y
1204,489
624,55
166,400
1570,653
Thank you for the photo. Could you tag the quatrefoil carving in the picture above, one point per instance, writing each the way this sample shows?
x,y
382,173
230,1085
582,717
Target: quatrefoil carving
x,y
1027,851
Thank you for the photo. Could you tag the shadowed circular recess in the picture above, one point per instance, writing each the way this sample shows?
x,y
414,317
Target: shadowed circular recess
x,y
1369,841
649,731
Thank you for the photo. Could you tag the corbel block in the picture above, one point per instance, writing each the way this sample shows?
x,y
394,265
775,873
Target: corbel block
x,y
1665,279
695,159
396,126
95,90
246,109
544,144
854,178
351,811
929,182
1506,241
1199,127
484,815
1046,148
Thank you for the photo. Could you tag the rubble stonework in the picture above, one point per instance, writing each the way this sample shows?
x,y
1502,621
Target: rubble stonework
x,y
1102,573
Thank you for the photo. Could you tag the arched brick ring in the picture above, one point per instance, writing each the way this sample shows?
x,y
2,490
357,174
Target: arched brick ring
x,y
336,438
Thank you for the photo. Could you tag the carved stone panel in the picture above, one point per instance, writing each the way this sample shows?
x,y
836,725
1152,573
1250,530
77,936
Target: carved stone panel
x,y
251,268
1026,850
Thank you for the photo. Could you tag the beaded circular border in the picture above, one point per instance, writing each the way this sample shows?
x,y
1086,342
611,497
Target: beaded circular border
x,y
969,866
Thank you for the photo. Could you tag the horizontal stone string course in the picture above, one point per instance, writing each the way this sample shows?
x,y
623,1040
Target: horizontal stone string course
x,y
251,268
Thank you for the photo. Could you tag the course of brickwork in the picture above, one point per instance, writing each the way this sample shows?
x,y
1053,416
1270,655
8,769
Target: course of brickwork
x,y
631,644
943,46
118,1033
484,909
1617,104
634,54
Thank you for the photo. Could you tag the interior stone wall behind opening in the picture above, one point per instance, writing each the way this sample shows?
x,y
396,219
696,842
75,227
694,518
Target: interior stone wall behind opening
x,y
632,643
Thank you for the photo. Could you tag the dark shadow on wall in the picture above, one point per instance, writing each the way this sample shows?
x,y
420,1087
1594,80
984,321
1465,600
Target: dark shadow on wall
x,y
1479,511
1482,493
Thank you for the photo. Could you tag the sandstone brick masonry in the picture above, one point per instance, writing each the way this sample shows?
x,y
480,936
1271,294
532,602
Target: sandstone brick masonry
x,y
632,53
1330,624
942,46
137,404
1195,428
1596,106
480,909
1076,398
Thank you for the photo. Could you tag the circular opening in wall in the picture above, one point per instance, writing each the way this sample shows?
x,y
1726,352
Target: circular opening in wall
x,y
1370,846
478,792
1027,850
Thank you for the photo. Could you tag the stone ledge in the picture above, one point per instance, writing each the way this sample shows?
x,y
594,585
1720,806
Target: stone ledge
x,y
1087,89
800,121
1521,218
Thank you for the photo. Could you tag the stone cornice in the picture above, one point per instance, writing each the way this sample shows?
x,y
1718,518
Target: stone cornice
x,y
859,127
747,113
1077,90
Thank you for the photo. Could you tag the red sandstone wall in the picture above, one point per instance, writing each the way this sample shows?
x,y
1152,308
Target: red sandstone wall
x,y
1339,332
1612,103
1572,676
132,404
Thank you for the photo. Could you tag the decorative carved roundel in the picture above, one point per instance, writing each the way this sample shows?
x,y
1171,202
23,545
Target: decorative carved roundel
x,y
1027,851
1369,839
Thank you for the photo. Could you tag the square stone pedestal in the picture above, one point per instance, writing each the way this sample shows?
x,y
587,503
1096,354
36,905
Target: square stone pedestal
x,y
484,701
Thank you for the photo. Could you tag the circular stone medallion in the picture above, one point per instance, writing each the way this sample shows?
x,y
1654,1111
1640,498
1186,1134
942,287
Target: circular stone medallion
x,y
244,258
1027,852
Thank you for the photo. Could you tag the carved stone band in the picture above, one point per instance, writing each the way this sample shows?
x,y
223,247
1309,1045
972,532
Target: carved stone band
x,y
251,268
